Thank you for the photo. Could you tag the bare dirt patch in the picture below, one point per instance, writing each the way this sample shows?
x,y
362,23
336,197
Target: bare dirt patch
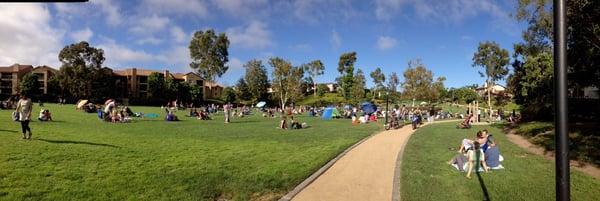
x,y
522,142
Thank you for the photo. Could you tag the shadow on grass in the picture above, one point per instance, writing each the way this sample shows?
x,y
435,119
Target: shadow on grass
x,y
2,130
77,142
486,195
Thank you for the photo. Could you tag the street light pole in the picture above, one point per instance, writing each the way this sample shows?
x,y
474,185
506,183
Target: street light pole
x,y
387,97
560,102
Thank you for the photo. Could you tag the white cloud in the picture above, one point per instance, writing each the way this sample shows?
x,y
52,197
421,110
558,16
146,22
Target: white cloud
x,y
235,64
177,58
316,11
301,47
178,34
111,9
243,8
386,9
82,35
449,11
386,42
149,25
176,7
27,36
336,40
255,35
118,55
149,40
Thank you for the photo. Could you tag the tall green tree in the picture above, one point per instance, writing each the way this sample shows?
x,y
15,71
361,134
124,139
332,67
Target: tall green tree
x,y
494,60
358,88
242,92
228,95
209,54
346,69
418,82
393,82
314,68
81,66
257,80
378,78
196,93
29,85
156,86
286,80
583,52
439,90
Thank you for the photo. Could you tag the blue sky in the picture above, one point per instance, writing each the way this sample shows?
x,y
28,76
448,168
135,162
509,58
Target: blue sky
x,y
155,34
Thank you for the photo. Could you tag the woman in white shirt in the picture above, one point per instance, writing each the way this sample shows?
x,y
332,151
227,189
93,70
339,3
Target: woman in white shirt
x,y
24,108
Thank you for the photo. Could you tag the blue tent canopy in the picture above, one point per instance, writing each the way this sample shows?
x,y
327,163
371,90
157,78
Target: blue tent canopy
x,y
368,108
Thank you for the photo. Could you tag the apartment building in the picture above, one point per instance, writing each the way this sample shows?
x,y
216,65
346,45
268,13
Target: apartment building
x,y
11,76
135,82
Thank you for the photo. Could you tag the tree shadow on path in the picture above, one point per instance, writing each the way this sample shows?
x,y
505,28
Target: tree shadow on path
x,y
486,195
78,142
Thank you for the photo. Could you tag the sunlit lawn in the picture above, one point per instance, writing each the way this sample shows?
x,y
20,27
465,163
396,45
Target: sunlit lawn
x,y
426,176
78,157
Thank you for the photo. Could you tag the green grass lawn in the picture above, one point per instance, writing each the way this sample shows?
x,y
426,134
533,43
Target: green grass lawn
x,y
78,157
426,176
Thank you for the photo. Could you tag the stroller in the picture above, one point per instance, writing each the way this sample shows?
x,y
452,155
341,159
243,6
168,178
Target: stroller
x,y
466,124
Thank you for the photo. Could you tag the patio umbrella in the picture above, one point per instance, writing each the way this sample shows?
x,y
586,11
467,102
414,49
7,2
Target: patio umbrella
x,y
81,103
423,103
261,104
108,101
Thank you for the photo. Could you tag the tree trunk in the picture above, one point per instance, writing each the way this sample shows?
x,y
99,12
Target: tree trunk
x,y
489,100
315,87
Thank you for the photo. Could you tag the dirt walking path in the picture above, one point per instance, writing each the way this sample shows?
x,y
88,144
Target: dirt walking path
x,y
366,172
520,141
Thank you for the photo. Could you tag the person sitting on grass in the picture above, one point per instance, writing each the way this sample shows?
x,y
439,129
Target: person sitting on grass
x,y
295,124
203,115
171,117
45,115
193,112
125,118
475,158
114,116
283,122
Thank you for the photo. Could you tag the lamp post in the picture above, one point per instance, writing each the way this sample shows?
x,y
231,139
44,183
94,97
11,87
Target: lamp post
x,y
560,102
387,97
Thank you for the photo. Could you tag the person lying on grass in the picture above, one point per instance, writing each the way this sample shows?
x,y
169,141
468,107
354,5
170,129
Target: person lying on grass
x,y
475,158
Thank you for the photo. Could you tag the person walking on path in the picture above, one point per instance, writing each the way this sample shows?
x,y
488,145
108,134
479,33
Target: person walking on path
x,y
24,108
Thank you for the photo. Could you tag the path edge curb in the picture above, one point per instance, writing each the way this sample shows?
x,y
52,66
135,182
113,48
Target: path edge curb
x,y
290,195
396,194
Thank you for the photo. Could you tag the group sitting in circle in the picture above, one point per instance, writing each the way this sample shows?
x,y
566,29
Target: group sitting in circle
x,y
112,113
202,114
482,152
283,124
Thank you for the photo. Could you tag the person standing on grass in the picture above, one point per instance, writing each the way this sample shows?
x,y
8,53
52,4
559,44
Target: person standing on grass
x,y
24,108
226,110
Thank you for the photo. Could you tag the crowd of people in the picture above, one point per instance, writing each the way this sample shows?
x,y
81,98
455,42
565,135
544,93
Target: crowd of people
x,y
479,154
